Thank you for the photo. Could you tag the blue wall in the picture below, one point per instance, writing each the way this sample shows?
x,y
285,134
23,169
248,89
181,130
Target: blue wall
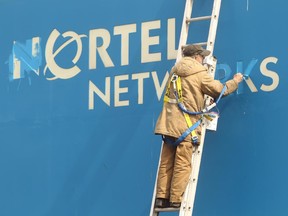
x,y
76,125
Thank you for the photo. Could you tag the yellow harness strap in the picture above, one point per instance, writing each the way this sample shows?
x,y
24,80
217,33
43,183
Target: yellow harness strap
x,y
176,80
180,99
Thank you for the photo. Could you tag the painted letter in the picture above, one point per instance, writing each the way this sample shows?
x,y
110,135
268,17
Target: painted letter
x,y
147,41
272,74
247,72
102,50
118,90
160,88
171,51
140,77
93,89
124,31
55,69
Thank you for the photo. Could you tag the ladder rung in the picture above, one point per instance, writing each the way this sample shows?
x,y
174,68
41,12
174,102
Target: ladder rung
x,y
199,18
166,209
201,43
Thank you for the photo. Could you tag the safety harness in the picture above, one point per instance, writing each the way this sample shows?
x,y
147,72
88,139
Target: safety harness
x,y
177,90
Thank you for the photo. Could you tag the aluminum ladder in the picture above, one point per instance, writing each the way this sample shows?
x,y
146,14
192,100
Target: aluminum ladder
x,y
187,204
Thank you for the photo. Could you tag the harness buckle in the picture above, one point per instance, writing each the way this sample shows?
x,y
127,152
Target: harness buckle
x,y
173,81
195,141
174,77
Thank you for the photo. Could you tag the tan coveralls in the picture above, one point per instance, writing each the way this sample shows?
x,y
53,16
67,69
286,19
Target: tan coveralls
x,y
175,166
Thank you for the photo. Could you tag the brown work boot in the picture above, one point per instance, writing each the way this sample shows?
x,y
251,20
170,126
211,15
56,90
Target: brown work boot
x,y
175,204
161,203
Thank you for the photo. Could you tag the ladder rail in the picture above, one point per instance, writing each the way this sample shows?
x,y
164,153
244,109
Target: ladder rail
x,y
187,205
213,26
184,28
152,209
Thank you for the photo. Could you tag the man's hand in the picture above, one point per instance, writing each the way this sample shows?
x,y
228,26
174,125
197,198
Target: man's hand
x,y
238,77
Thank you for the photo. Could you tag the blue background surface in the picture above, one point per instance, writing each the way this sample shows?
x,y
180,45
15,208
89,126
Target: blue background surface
x,y
58,158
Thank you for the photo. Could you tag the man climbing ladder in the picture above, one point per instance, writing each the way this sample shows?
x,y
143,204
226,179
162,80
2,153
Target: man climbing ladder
x,y
175,163
183,110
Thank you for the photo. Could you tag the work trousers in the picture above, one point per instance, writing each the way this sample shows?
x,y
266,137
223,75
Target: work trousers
x,y
174,171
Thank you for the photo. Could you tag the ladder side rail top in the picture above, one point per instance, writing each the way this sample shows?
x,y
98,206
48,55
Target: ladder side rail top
x,y
184,28
213,26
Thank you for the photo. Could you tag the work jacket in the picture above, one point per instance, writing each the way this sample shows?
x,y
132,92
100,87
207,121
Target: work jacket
x,y
195,83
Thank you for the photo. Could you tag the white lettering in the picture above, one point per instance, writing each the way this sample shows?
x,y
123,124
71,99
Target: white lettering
x,y
16,68
93,89
171,51
118,90
272,74
124,31
147,41
160,88
140,77
55,69
94,35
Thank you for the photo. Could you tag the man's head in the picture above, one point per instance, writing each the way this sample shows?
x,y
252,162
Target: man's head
x,y
195,51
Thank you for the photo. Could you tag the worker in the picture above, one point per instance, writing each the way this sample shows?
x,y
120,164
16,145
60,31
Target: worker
x,y
175,163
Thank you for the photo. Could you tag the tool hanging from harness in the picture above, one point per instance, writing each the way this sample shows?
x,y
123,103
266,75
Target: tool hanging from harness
x,y
177,90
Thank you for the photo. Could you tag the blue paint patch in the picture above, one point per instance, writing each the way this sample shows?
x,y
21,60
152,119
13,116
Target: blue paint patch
x,y
24,59
249,68
246,74
223,72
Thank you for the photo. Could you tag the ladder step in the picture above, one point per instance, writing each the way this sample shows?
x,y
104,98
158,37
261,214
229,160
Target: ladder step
x,y
166,209
201,43
199,19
